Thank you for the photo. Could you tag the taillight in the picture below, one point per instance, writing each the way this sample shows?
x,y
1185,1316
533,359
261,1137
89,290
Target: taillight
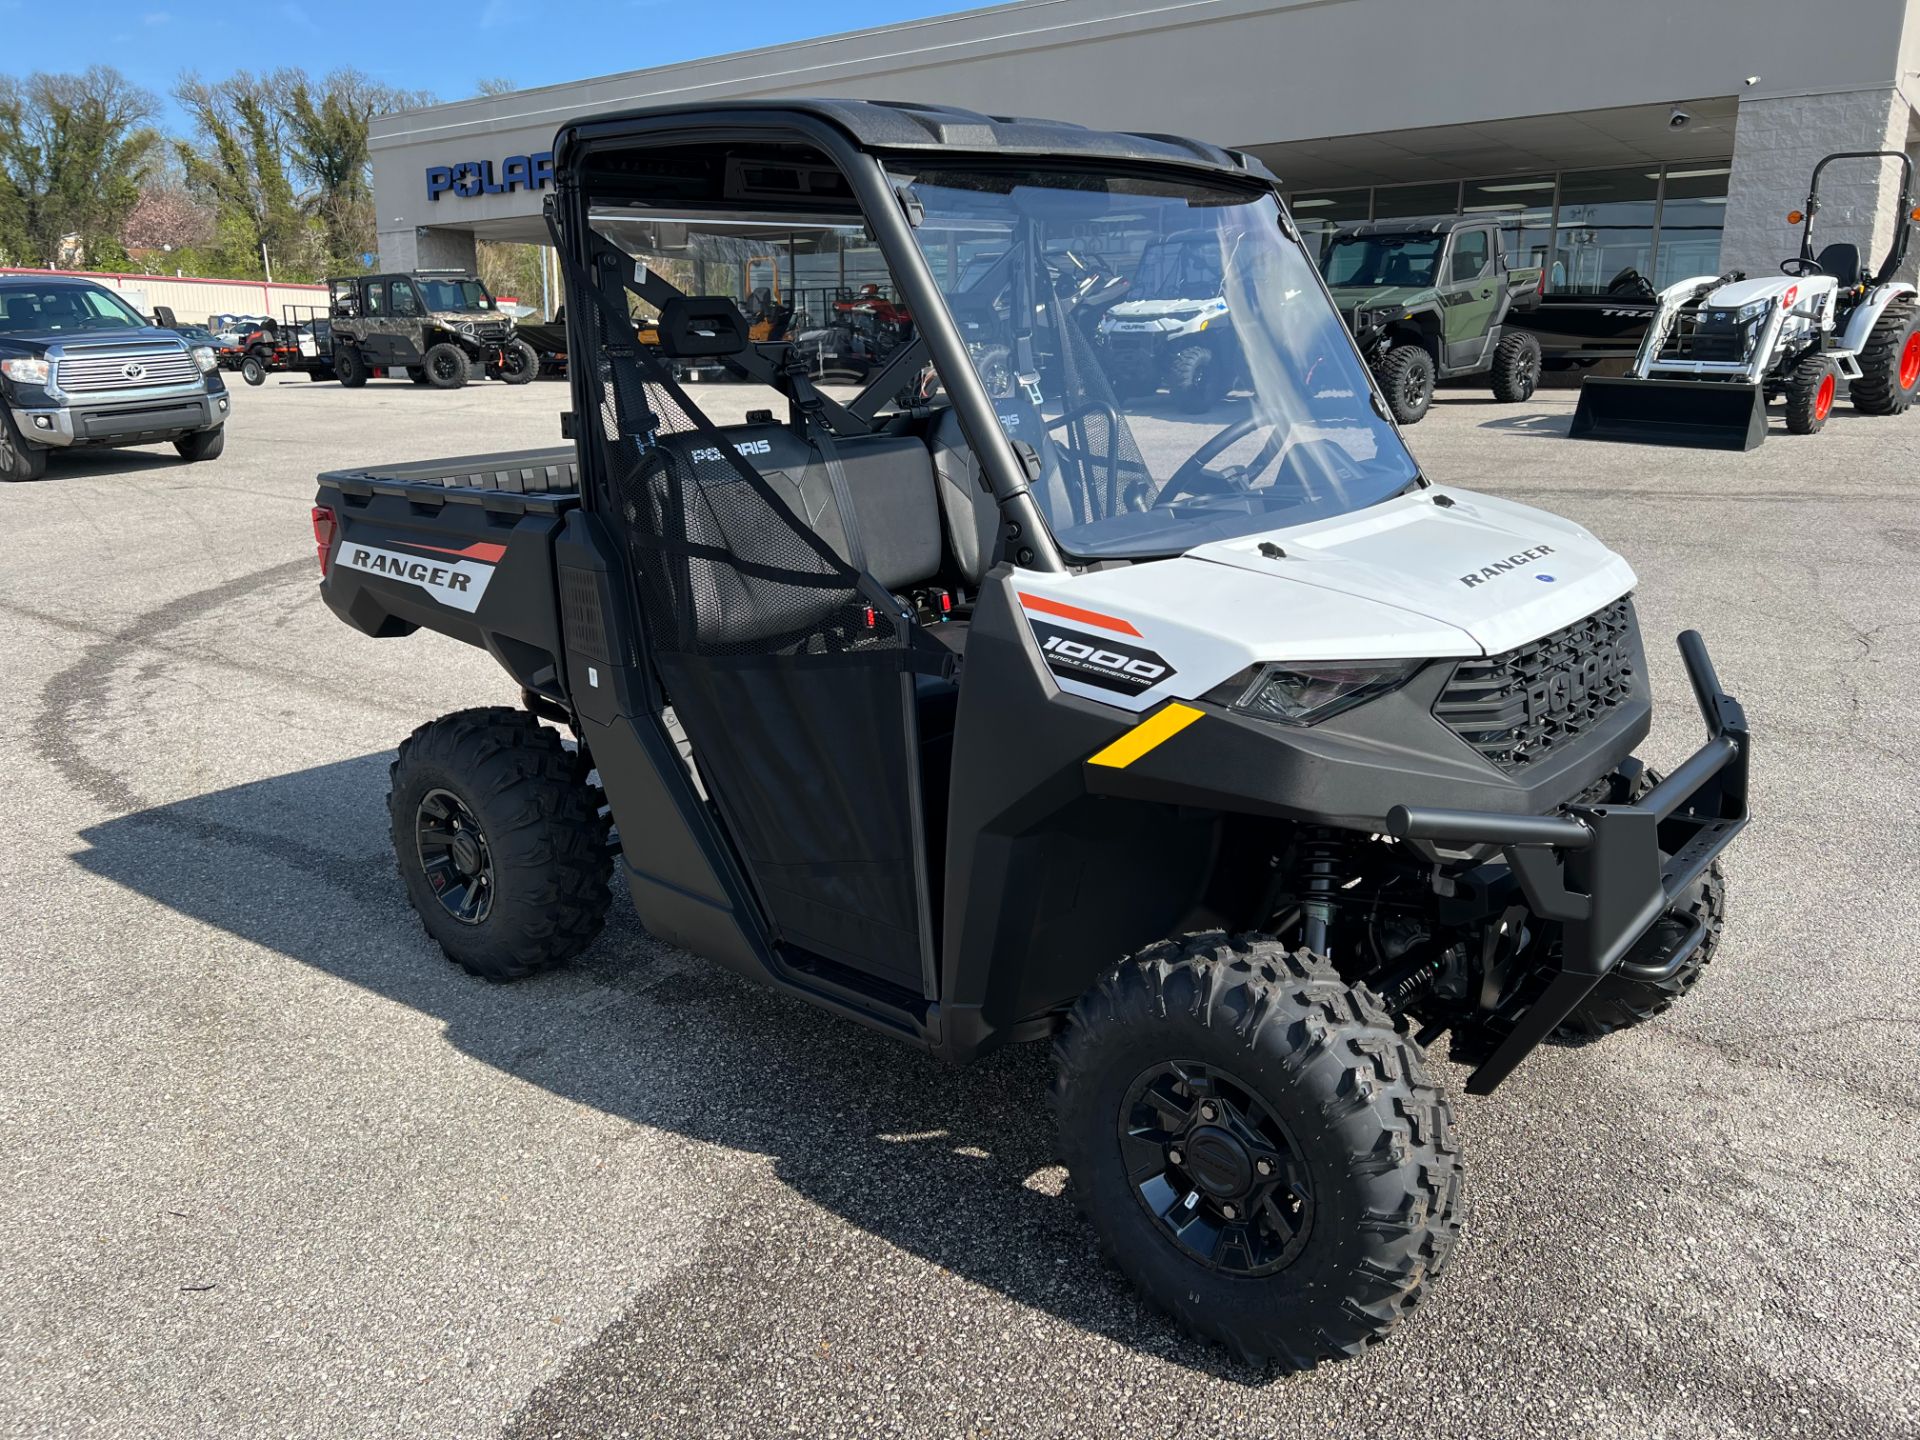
x,y
324,529
1541,288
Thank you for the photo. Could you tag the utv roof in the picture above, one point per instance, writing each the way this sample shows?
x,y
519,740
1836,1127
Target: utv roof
x,y
900,125
1437,226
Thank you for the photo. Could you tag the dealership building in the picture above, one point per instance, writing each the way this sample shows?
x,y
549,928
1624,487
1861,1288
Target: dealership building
x,y
1670,139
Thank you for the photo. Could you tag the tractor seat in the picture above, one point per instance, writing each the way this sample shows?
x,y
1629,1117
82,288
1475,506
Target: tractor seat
x,y
1841,260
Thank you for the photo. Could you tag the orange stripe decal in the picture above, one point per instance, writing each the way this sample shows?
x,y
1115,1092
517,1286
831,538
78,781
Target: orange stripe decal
x,y
1074,612
479,550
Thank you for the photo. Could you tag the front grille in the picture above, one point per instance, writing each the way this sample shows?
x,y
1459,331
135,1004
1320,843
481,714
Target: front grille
x,y
1521,706
90,372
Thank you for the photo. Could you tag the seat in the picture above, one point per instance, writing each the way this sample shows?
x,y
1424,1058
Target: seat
x,y
967,509
1841,260
890,481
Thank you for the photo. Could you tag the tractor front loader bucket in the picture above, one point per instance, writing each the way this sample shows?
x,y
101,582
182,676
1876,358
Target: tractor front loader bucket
x,y
1710,414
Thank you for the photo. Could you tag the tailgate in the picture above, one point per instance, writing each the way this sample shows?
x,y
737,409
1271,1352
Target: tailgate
x,y
464,547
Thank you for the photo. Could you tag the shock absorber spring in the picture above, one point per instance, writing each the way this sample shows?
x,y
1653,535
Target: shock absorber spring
x,y
1319,854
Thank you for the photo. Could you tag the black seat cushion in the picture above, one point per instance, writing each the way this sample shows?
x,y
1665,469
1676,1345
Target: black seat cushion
x,y
889,477
971,514
1842,261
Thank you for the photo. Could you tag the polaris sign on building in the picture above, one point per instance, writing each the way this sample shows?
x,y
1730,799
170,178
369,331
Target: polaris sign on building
x,y
472,178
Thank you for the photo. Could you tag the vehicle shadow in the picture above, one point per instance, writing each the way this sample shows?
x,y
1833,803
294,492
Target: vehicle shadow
x,y
952,1165
1540,424
111,462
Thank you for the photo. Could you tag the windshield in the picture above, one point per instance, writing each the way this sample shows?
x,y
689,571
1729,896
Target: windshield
x,y
454,294
1373,261
1152,432
65,309
1186,267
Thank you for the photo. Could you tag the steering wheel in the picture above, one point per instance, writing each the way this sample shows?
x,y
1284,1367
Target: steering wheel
x,y
1800,265
1195,477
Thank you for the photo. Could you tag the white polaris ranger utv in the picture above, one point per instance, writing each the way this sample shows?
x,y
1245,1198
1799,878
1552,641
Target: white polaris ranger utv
x,y
1228,753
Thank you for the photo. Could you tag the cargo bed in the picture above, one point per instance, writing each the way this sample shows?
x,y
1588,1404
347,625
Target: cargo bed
x,y
462,546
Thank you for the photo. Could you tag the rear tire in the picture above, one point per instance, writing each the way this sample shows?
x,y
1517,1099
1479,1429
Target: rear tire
x,y
1196,379
1406,377
1360,1207
252,371
417,374
1889,363
1516,368
520,364
446,366
18,459
1810,391
350,367
202,444
530,888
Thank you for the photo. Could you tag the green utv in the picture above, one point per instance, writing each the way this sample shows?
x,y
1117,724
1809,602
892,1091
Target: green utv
x,y
1428,300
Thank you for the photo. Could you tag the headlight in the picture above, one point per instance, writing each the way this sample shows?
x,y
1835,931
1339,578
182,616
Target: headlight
x,y
204,357
1305,694
1751,312
28,372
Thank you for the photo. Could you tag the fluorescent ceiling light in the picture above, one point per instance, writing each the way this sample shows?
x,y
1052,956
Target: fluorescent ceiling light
x,y
1514,186
1309,204
1504,207
1692,174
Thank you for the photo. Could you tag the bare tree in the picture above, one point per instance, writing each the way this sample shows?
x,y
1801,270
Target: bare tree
x,y
74,152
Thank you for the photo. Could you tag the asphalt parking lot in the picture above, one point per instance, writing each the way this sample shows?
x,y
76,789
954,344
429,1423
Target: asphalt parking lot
x,y
273,1167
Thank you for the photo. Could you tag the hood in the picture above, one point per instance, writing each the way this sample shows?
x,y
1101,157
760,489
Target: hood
x,y
1388,583
1766,287
142,335
1371,296
477,317
1502,573
1150,309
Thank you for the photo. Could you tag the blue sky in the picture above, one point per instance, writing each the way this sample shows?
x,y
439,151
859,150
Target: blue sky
x,y
442,47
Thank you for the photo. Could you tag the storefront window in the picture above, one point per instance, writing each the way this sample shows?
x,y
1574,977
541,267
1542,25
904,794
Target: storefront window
x,y
1319,213
1604,242
1692,213
1523,204
1417,202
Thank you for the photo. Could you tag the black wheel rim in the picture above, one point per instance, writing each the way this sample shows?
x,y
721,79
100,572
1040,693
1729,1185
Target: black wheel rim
x,y
1414,392
454,856
1215,1169
447,366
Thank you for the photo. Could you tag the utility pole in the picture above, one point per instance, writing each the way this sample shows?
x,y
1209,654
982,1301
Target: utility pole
x,y
266,263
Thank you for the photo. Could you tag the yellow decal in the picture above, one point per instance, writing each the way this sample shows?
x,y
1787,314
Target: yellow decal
x,y
1163,724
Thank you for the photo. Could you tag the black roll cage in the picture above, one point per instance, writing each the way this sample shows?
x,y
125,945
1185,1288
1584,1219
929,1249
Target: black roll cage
x,y
1901,227
886,212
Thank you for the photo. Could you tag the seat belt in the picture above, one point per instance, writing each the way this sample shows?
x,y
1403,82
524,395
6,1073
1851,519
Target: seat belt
x,y
810,405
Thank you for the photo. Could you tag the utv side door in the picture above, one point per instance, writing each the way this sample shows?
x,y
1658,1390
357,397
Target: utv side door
x,y
1470,294
408,319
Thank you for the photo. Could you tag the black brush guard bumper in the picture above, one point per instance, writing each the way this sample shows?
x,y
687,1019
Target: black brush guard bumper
x,y
1606,873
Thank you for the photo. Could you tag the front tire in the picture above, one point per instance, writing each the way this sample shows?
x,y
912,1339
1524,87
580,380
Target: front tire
x,y
446,366
18,459
202,444
1198,1062
1889,363
500,842
1516,368
1196,379
520,364
1810,390
1406,378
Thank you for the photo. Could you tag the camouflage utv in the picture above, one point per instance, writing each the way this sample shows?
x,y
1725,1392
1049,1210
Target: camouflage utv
x,y
440,326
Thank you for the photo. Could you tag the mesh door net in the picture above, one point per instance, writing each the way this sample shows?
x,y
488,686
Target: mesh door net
x,y
787,666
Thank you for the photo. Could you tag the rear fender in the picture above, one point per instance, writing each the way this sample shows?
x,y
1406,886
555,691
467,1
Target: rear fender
x,y
1860,324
